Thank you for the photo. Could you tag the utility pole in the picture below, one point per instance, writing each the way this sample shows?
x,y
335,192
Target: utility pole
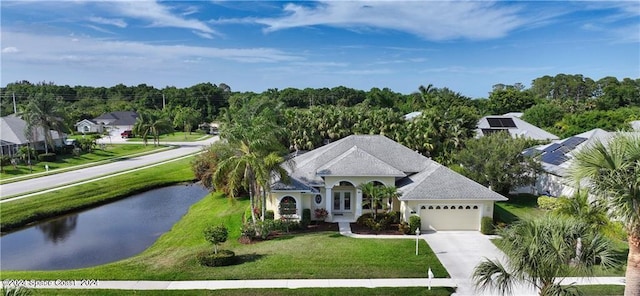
x,y
163,102
15,109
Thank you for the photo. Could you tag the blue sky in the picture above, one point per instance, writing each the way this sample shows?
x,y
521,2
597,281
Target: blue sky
x,y
253,46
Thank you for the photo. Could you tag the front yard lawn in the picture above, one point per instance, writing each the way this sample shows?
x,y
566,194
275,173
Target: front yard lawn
x,y
301,256
518,206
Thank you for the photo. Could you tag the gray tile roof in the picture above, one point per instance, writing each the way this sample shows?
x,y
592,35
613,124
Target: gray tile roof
x,y
118,117
12,129
351,163
292,185
375,155
441,183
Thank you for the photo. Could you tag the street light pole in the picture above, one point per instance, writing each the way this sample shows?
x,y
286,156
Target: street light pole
x,y
417,238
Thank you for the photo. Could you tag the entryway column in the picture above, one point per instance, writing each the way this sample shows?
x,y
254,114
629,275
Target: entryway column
x,y
328,198
358,203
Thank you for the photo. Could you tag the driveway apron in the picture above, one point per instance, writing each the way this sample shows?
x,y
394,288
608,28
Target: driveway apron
x,y
460,252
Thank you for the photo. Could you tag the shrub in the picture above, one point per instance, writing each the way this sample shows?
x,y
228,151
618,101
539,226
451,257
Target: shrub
x,y
363,219
216,235
222,258
50,157
486,225
87,144
269,215
404,227
321,213
414,223
306,218
547,203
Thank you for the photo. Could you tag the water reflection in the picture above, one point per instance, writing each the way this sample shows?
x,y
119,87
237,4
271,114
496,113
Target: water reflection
x,y
59,229
101,235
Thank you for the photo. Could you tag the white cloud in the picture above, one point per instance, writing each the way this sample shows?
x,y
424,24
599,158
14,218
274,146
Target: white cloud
x,y
105,21
10,49
433,20
160,16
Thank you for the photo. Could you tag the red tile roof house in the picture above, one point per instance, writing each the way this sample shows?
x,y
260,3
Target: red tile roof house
x,y
328,177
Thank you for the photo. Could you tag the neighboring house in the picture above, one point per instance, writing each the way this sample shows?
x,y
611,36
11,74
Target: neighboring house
x,y
556,158
89,126
13,136
635,125
512,124
411,116
114,122
328,177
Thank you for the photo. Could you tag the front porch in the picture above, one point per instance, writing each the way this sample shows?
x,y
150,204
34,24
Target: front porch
x,y
342,217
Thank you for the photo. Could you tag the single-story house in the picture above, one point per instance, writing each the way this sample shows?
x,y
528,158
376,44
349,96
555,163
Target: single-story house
x,y
329,178
114,122
512,124
13,136
556,158
89,126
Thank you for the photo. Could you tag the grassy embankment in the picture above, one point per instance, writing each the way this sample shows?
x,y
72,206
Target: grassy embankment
x,y
21,212
68,162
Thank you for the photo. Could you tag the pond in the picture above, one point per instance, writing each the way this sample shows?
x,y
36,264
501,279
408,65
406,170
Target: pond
x,y
100,235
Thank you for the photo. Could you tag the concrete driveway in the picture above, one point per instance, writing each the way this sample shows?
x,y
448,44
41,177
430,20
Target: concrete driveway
x,y
461,251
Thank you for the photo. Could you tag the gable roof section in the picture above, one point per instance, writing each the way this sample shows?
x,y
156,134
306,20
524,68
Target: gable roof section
x,y
357,162
118,117
520,128
87,121
379,147
12,129
441,183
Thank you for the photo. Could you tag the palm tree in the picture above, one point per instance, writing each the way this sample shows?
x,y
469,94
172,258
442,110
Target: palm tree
x,y
373,195
539,251
611,172
43,112
579,206
152,123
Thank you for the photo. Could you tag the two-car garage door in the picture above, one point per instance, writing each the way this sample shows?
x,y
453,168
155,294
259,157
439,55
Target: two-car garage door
x,y
450,217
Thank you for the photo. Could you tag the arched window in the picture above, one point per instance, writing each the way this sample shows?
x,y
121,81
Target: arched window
x,y
430,207
446,207
437,207
475,207
468,208
453,207
422,207
287,206
460,207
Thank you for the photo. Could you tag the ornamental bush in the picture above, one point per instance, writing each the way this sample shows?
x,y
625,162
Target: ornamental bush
x,y
269,215
306,218
216,235
50,157
547,203
486,225
414,223
222,258
404,227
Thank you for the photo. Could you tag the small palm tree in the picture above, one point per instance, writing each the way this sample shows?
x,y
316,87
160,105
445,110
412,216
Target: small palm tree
x,y
373,196
43,112
152,123
539,251
611,172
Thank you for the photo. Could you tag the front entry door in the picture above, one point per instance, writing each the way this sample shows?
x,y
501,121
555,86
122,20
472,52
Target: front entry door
x,y
342,201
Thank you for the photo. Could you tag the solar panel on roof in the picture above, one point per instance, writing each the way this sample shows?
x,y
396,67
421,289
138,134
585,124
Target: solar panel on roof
x,y
551,147
507,122
555,158
500,122
573,142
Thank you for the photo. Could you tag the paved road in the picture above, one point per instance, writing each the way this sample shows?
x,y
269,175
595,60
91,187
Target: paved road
x,y
61,179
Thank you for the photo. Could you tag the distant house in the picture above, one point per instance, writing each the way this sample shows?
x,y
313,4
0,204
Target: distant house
x,y
411,116
329,177
113,122
89,126
512,124
13,136
556,158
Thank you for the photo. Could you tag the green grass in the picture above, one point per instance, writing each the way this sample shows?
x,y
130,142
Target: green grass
x,y
409,291
518,206
111,152
601,290
21,212
304,256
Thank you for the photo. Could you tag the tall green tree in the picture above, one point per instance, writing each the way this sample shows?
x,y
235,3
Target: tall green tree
x,y
611,172
187,118
496,160
43,113
539,251
152,123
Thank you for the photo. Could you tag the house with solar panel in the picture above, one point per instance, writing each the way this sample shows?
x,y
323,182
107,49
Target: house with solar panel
x,y
556,159
513,125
